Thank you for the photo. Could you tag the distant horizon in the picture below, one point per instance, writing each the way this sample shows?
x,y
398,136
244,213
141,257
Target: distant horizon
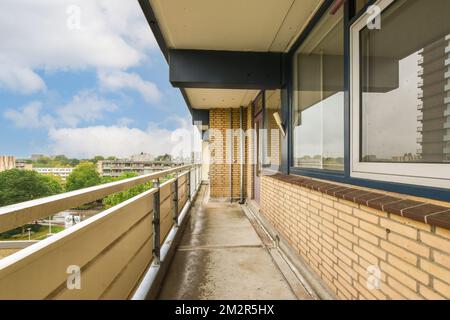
x,y
29,157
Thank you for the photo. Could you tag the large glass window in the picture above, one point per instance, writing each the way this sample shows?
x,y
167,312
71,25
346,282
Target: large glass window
x,y
361,4
318,97
401,92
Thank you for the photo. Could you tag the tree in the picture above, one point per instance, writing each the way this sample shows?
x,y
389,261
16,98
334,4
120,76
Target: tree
x,y
115,199
22,185
97,159
164,158
83,176
74,162
60,161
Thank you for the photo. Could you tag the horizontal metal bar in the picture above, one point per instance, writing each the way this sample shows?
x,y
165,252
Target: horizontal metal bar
x,y
20,214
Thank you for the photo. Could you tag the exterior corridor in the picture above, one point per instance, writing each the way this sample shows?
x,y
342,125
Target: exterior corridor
x,y
221,257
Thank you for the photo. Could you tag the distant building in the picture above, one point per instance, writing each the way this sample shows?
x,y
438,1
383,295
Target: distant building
x,y
63,173
142,157
35,157
434,102
114,168
24,164
7,163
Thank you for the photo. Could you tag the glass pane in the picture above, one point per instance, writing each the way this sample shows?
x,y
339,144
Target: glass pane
x,y
405,84
361,4
272,136
318,97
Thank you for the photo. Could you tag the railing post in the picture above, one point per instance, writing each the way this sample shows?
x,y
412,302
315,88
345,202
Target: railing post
x,y
175,202
195,178
156,223
189,185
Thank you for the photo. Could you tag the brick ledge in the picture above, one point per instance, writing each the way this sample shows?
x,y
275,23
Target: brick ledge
x,y
431,214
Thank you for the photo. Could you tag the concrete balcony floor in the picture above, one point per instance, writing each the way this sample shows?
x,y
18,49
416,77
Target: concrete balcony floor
x,y
222,257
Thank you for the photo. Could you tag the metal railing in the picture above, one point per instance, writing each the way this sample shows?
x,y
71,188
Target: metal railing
x,y
104,256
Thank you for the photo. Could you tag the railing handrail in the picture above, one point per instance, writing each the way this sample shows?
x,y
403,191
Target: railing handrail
x,y
19,214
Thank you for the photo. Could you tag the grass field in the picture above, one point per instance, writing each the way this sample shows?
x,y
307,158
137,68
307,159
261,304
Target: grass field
x,y
7,252
38,232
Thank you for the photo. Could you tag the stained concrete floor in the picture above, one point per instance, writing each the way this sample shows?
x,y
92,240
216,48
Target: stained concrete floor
x,y
221,257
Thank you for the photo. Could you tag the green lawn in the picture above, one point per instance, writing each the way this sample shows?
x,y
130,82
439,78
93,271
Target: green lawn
x,y
38,232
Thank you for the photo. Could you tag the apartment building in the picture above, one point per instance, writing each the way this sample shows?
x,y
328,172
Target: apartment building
x,y
358,175
7,163
63,173
24,164
114,168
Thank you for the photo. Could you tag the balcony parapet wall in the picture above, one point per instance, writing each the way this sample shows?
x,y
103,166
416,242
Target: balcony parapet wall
x,y
350,235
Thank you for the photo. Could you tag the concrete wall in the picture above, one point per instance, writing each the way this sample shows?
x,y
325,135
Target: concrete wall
x,y
250,154
7,163
340,239
205,160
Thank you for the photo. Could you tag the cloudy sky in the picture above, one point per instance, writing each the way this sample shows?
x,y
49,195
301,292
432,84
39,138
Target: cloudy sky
x,y
84,78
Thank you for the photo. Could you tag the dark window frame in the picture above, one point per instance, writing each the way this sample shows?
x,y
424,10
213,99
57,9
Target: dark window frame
x,y
350,16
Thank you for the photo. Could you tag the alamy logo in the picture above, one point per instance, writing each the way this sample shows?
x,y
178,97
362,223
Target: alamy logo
x,y
74,278
74,17
373,277
374,19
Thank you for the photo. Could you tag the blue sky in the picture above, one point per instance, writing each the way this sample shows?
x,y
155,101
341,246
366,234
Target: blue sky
x,y
84,78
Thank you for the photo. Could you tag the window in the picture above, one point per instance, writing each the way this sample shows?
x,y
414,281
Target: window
x,y
400,102
272,136
318,97
361,4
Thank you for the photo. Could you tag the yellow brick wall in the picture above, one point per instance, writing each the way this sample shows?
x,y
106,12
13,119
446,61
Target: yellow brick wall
x,y
219,122
341,239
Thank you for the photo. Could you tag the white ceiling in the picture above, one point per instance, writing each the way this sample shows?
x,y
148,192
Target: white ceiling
x,y
231,25
220,98
234,25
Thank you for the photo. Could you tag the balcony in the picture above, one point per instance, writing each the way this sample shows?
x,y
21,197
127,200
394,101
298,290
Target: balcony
x,y
112,250
125,252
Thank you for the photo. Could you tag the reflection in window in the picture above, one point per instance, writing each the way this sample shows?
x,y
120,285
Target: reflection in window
x,y
272,134
318,98
361,4
405,84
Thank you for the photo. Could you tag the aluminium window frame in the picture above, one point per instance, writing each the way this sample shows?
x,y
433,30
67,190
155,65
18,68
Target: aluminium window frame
x,y
432,175
350,17
287,104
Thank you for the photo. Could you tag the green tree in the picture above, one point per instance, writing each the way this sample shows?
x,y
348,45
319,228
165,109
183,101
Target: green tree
x,y
97,159
165,158
21,185
115,199
74,162
83,176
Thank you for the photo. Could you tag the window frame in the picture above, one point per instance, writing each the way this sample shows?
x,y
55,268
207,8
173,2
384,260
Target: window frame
x,y
290,73
425,174
351,16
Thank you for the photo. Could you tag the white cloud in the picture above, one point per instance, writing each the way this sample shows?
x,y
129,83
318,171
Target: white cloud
x,y
122,80
84,107
29,116
124,122
120,141
42,35
19,79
